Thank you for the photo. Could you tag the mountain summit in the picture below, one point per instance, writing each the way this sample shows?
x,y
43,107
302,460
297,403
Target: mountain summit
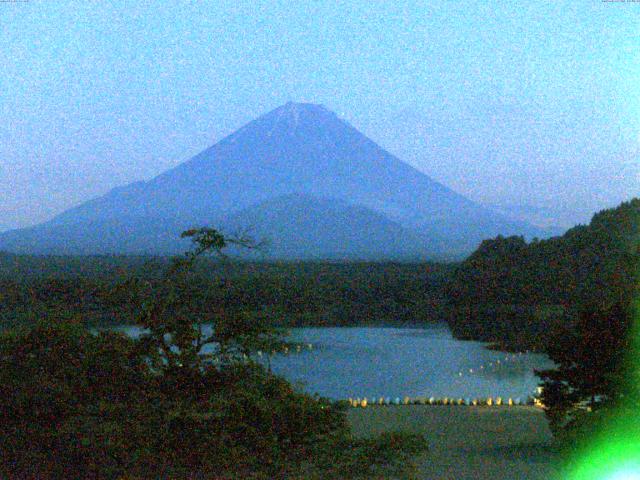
x,y
283,174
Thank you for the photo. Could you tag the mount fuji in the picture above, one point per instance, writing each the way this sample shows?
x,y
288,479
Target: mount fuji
x,y
300,177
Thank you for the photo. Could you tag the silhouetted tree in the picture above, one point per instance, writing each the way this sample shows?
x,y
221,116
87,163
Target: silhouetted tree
x,y
593,370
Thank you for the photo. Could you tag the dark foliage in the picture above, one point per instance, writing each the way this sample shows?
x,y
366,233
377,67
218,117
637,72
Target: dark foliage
x,y
179,402
284,294
571,297
538,287
594,369
79,405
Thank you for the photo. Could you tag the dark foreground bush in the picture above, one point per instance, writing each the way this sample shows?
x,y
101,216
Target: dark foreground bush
x,y
79,405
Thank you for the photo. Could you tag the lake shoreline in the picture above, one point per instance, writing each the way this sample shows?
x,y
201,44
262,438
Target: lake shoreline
x,y
407,325
339,363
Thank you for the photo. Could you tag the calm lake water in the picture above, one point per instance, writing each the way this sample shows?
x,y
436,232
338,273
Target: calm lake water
x,y
398,362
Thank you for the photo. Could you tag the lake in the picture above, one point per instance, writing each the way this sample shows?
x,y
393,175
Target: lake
x,y
398,362
375,362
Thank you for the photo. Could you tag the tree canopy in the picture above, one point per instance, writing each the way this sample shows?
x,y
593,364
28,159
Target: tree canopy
x,y
573,297
509,285
186,399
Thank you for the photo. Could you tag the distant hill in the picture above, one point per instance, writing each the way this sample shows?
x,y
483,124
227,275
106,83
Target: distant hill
x,y
301,176
304,227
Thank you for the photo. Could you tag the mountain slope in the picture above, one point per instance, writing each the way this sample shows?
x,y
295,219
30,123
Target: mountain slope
x,y
296,148
304,227
291,226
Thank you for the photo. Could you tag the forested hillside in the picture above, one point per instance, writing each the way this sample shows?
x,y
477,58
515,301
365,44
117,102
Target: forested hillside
x,y
516,293
286,293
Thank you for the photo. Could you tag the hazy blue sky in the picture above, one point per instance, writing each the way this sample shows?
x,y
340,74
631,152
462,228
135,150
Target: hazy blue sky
x,y
512,102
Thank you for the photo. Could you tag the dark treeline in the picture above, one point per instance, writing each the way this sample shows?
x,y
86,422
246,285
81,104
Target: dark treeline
x,y
574,298
286,294
517,294
83,404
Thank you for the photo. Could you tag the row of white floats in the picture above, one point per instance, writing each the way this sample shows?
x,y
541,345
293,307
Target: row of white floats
x,y
512,357
286,350
488,402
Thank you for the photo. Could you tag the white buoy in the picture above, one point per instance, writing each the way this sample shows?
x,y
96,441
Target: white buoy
x,y
432,400
397,401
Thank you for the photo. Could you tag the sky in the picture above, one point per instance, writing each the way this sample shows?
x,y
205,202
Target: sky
x,y
530,105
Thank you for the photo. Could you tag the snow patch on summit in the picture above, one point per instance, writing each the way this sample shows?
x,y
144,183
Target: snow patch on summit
x,y
289,115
